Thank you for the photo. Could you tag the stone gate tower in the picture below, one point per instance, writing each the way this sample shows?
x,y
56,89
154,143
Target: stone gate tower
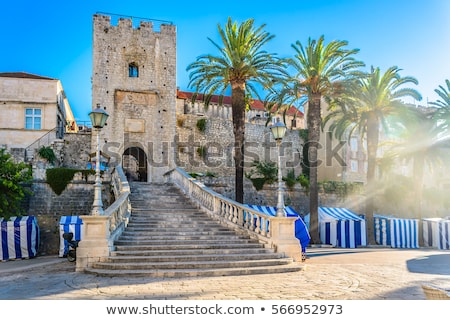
x,y
134,80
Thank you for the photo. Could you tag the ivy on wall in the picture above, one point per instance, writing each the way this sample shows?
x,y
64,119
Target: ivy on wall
x,y
59,178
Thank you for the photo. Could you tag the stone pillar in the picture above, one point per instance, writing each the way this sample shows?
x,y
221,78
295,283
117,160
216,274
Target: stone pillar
x,y
283,237
94,243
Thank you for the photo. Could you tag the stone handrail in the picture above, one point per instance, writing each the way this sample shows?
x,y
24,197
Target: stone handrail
x,y
274,232
100,232
120,210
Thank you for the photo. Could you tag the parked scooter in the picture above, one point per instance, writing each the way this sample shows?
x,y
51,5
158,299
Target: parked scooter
x,y
71,246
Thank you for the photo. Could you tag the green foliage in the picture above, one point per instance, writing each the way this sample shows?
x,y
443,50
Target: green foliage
x,y
58,178
47,153
262,172
258,183
194,175
210,174
290,179
201,124
304,181
201,151
342,189
13,176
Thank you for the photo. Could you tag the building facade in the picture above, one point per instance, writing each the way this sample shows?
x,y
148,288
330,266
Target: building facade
x,y
35,113
134,80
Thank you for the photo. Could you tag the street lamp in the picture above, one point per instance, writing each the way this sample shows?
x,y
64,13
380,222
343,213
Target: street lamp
x,y
98,120
278,132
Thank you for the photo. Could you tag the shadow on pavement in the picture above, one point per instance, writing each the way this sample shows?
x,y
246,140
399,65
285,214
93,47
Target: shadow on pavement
x,y
431,264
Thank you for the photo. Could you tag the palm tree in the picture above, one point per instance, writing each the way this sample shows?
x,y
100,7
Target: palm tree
x,y
321,71
241,65
366,107
419,131
443,105
444,93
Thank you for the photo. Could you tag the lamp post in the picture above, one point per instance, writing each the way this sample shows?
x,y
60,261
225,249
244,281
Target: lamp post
x,y
278,132
98,119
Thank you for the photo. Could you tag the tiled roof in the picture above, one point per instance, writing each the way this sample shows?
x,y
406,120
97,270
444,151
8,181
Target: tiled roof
x,y
23,75
256,104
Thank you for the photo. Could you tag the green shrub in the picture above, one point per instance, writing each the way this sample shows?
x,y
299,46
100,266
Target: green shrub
x,y
201,151
201,124
47,153
262,172
58,178
13,177
290,179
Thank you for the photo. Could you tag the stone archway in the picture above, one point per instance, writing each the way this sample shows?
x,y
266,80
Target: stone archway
x,y
134,163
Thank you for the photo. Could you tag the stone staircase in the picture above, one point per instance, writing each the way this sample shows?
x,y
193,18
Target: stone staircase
x,y
169,236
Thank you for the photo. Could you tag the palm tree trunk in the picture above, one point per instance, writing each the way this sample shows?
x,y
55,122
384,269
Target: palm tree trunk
x,y
238,112
372,146
314,123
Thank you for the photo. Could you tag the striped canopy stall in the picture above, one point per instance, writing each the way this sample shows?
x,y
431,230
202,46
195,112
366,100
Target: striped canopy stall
x,y
436,233
341,227
301,231
272,211
19,238
396,232
72,224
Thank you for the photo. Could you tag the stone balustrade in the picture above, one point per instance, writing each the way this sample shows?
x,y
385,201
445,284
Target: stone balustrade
x,y
100,232
275,232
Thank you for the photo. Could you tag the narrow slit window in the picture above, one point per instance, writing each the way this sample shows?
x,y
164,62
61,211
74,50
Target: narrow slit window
x,y
133,70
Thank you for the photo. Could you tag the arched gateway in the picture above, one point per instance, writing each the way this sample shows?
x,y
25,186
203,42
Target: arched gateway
x,y
134,80
134,163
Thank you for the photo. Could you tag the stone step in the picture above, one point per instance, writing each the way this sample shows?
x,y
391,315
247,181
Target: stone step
x,y
169,236
191,264
189,246
202,251
168,242
184,273
178,259
168,233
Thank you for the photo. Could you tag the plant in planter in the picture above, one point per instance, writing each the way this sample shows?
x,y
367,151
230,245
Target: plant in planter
x,y
201,125
262,172
47,153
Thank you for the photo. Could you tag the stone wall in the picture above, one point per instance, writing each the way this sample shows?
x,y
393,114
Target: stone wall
x,y
76,150
218,141
49,207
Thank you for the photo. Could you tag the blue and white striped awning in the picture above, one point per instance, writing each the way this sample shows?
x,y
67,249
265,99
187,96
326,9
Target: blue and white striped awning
x,y
436,233
329,213
19,238
396,232
340,227
272,211
301,230
72,224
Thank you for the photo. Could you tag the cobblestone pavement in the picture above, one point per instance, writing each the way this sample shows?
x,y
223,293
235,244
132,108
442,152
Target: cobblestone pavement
x,y
329,274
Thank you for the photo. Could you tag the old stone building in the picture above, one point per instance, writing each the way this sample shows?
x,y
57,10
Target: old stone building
x,y
35,112
134,80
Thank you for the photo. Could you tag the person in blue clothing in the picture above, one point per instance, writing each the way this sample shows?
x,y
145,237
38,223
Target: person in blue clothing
x,y
302,234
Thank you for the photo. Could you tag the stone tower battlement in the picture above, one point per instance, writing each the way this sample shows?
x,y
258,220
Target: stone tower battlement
x,y
134,79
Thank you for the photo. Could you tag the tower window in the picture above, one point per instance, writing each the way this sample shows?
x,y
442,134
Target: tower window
x,y
133,70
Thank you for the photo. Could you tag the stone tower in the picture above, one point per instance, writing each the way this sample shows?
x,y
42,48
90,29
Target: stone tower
x,y
134,80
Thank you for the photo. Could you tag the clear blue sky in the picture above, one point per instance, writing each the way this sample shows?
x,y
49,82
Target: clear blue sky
x,y
54,38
